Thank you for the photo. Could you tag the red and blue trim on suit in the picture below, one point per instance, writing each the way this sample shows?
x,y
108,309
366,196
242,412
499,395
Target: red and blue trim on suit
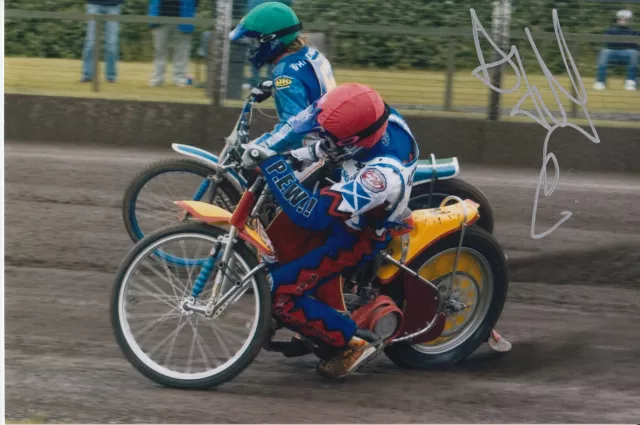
x,y
295,284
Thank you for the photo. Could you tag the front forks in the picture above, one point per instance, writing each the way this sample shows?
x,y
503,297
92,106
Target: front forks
x,y
210,182
215,181
222,267
207,270
214,305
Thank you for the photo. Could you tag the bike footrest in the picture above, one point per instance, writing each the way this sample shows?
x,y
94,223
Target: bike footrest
x,y
292,348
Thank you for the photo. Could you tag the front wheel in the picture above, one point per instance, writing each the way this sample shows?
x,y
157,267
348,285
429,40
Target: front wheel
x,y
174,346
148,202
481,284
452,187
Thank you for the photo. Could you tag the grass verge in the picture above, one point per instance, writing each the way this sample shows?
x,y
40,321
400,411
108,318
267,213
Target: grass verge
x,y
60,77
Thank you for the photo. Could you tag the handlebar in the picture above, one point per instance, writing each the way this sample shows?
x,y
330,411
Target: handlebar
x,y
250,99
231,165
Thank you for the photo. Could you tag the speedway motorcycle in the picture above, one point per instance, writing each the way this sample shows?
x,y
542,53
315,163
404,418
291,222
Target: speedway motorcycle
x,y
432,296
209,178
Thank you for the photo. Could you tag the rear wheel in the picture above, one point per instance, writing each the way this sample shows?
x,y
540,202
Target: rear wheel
x,y
177,347
452,187
148,202
481,283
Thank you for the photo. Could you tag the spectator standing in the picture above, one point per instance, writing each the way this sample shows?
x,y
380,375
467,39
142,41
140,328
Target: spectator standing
x,y
619,53
111,40
179,36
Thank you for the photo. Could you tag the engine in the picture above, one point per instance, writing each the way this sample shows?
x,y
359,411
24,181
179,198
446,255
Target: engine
x,y
381,316
387,325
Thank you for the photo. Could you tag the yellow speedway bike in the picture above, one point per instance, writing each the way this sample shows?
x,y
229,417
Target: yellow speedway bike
x,y
433,295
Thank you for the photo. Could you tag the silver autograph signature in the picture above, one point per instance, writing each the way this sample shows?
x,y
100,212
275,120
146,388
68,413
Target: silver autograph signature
x,y
544,117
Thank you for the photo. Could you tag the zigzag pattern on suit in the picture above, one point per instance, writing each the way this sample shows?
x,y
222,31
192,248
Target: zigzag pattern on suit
x,y
294,304
285,308
308,278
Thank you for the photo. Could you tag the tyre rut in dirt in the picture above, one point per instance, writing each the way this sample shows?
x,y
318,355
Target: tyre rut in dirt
x,y
453,187
476,241
261,290
185,165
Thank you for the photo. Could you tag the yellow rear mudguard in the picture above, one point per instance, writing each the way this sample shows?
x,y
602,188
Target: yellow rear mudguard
x,y
429,226
211,214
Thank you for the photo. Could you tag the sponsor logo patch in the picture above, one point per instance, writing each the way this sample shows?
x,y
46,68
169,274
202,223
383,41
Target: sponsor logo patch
x,y
385,139
283,82
373,180
296,66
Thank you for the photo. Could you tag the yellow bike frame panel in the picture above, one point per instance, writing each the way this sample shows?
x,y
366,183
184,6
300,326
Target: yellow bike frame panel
x,y
429,225
204,211
212,214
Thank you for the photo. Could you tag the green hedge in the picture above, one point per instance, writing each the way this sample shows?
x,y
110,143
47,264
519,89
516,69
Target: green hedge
x,y
64,39
430,53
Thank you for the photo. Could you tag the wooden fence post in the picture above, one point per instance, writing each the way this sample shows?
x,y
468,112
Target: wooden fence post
x,y
451,69
501,23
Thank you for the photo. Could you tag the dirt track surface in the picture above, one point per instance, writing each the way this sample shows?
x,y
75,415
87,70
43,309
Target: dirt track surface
x,y
576,355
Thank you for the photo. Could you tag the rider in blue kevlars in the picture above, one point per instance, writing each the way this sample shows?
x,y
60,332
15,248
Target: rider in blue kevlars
x,y
376,155
301,74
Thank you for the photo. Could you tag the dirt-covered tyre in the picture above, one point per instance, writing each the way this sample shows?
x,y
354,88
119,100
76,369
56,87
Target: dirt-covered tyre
x,y
481,282
160,285
453,187
226,195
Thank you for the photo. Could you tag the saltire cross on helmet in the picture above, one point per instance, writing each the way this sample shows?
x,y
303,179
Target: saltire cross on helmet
x,y
269,28
350,117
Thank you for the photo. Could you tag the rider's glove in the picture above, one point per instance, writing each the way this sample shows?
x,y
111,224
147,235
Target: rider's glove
x,y
296,164
336,154
302,157
324,149
318,151
262,91
261,153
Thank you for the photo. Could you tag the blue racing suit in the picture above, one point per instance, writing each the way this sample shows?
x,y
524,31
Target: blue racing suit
x,y
372,191
299,79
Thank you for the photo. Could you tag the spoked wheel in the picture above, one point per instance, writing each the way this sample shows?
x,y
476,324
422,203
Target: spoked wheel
x,y
148,202
479,289
178,347
453,187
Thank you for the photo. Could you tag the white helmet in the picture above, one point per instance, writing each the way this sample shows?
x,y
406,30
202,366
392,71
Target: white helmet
x,y
624,14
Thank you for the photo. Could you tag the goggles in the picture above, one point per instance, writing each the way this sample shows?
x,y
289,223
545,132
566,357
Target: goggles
x,y
256,38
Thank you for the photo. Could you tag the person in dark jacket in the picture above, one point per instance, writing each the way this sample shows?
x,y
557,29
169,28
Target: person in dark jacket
x,y
111,41
178,35
619,53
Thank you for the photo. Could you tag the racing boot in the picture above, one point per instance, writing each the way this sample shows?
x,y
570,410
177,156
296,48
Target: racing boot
x,y
362,348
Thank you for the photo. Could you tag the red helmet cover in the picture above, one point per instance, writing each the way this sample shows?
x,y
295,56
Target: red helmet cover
x,y
350,109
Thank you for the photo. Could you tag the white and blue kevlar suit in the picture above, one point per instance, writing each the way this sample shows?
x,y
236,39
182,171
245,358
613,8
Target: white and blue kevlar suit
x,y
299,79
372,191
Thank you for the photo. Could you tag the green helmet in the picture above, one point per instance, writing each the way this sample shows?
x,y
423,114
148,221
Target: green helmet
x,y
270,27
